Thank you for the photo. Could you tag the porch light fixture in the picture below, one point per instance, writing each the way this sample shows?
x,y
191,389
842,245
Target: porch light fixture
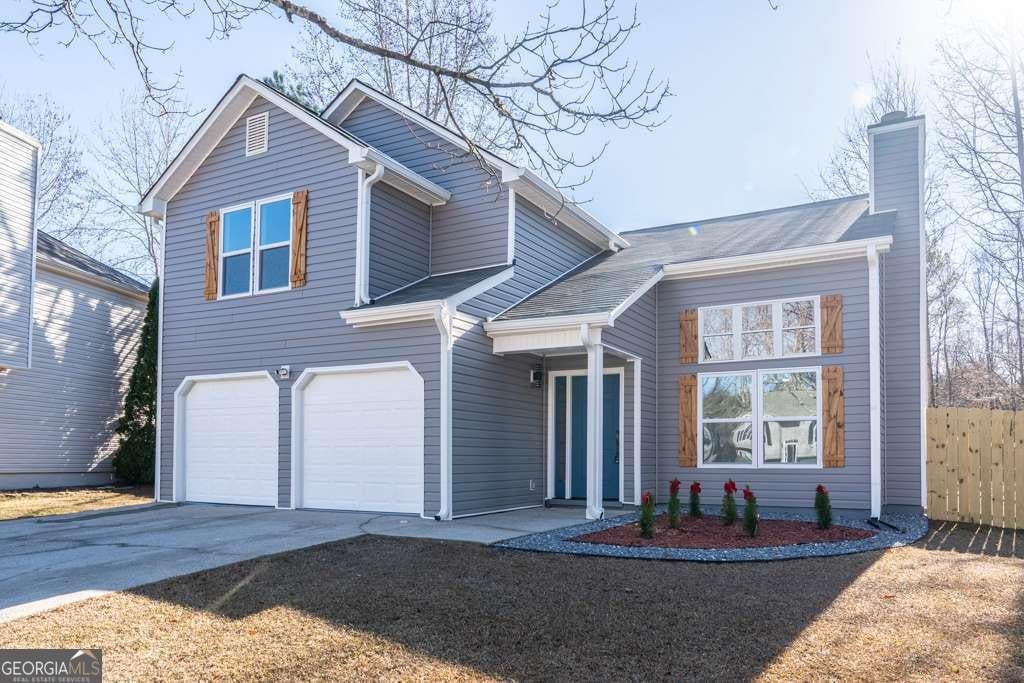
x,y
537,376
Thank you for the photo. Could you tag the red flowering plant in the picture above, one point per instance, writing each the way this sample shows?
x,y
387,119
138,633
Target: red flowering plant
x,y
823,506
729,503
751,518
673,503
647,515
695,500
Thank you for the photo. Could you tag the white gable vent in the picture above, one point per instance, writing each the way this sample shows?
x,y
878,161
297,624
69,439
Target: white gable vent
x,y
256,129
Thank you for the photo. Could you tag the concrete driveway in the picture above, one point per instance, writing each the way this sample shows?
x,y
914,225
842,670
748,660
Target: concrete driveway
x,y
47,562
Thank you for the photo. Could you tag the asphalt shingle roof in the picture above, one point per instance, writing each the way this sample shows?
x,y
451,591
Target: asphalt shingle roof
x,y
437,287
50,247
606,281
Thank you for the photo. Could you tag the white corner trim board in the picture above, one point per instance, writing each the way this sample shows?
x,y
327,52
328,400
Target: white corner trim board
x,y
875,382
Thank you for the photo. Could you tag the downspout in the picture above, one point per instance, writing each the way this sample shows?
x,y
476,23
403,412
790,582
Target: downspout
x,y
443,320
363,235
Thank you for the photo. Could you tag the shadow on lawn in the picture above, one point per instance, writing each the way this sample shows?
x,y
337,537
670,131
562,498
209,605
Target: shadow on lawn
x,y
532,615
974,538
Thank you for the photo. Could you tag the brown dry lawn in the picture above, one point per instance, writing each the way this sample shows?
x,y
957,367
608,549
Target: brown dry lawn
x,y
399,609
43,502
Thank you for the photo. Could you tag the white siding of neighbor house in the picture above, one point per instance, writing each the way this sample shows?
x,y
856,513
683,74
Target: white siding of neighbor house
x,y
18,163
58,416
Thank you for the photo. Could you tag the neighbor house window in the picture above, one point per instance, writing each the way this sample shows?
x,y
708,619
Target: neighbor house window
x,y
761,418
765,329
256,247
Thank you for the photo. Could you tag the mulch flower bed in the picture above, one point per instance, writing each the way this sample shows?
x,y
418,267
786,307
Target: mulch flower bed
x,y
709,532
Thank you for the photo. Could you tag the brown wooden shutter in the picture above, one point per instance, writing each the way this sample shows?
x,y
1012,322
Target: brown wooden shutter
x,y
688,336
832,323
212,254
688,421
299,205
833,404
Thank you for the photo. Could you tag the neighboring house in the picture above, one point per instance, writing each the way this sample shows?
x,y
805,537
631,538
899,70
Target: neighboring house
x,y
357,315
68,332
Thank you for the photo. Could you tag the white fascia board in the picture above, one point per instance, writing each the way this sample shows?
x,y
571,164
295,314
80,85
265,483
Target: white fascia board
x,y
234,103
399,177
479,288
776,259
499,327
635,296
58,268
554,203
20,135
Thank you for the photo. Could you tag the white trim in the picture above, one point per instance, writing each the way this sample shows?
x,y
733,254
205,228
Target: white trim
x,y
757,420
221,254
875,384
595,424
550,455
635,296
249,122
158,454
20,135
66,270
373,316
511,225
444,327
777,330
235,102
297,394
523,180
766,260
638,427
179,493
399,177
364,197
468,270
258,248
35,244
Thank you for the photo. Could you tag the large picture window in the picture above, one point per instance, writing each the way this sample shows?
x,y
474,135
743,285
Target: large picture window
x,y
256,247
760,418
765,329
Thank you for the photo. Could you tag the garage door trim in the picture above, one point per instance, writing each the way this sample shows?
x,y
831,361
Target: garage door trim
x,y
180,396
298,390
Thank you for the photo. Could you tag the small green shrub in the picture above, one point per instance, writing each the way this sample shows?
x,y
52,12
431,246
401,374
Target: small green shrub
x,y
673,503
647,515
729,503
823,506
695,510
751,518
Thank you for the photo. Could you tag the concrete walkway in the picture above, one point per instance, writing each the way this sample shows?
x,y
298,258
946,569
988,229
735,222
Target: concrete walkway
x,y
48,562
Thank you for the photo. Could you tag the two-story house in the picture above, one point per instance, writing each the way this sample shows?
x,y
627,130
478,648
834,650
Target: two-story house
x,y
68,331
358,314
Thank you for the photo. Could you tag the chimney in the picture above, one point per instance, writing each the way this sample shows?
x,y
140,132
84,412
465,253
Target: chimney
x,y
896,146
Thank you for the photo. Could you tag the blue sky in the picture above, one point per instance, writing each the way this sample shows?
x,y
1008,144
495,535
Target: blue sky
x,y
759,94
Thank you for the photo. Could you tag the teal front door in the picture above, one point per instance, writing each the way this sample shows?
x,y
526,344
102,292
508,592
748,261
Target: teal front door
x,y
570,427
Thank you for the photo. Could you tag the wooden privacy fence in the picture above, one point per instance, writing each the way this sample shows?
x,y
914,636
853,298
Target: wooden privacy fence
x,y
976,466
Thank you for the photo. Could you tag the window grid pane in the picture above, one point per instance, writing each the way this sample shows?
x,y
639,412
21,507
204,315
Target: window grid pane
x,y
275,222
274,267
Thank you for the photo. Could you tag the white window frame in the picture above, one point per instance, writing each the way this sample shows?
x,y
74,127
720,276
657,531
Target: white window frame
x,y
777,329
237,252
255,248
258,249
757,419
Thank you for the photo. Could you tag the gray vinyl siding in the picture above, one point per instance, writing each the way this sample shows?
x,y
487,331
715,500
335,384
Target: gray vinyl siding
x,y
497,428
849,485
301,327
897,187
58,416
18,161
636,332
399,239
544,250
471,230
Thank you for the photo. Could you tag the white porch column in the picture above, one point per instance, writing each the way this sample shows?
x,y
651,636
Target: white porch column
x,y
595,422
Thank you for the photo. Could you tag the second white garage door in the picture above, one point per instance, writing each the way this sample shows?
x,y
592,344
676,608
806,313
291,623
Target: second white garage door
x,y
361,440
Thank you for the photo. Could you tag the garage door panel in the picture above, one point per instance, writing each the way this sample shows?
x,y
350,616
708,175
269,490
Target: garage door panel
x,y
231,441
363,441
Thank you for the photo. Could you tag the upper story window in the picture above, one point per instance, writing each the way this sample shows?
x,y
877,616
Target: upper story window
x,y
764,329
256,247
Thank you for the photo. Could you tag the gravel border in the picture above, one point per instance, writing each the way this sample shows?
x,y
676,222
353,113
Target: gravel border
x,y
911,527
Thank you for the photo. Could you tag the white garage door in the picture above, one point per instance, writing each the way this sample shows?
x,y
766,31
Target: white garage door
x,y
231,441
362,440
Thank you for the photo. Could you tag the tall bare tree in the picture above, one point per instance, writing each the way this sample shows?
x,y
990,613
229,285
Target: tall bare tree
x,y
62,208
132,147
559,77
982,142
